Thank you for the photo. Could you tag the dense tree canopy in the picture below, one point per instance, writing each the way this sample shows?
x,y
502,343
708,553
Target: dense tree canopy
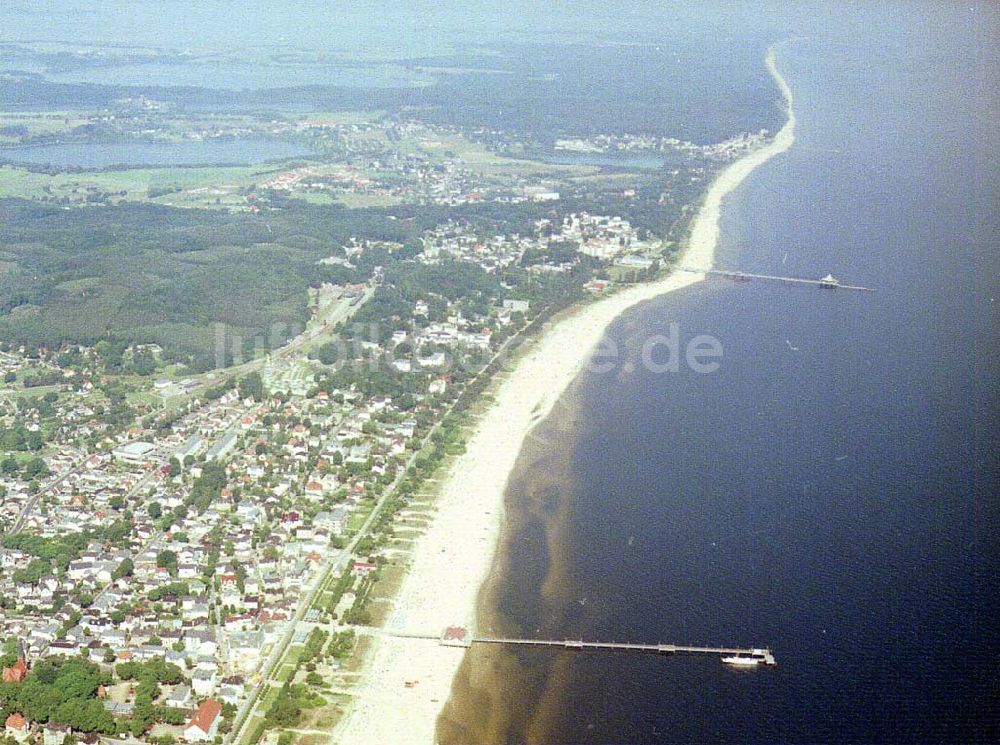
x,y
60,690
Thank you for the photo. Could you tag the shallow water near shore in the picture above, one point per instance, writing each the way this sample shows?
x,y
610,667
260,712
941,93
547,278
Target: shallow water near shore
x,y
829,491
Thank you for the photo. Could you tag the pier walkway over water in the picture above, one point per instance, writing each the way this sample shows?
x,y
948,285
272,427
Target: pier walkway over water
x,y
827,282
457,636
762,654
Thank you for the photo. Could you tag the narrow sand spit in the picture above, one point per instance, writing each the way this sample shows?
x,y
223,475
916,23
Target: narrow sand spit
x,y
454,557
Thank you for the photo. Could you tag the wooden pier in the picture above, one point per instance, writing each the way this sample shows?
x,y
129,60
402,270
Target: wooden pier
x,y
458,636
763,654
827,282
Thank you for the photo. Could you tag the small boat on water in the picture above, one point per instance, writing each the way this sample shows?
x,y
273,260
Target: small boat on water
x,y
742,661
755,657
829,282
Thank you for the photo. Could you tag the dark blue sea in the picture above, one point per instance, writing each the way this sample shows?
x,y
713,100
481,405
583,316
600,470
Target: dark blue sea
x,y
831,490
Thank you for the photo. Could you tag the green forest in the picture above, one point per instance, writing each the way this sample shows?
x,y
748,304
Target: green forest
x,y
147,274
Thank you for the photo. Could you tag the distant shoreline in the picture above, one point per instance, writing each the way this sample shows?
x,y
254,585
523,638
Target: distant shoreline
x,y
455,557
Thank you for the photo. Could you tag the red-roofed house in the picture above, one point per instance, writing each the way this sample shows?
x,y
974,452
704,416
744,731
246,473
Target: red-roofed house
x,y
456,636
204,723
17,727
16,672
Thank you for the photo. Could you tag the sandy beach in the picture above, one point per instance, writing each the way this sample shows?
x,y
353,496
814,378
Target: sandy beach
x,y
452,560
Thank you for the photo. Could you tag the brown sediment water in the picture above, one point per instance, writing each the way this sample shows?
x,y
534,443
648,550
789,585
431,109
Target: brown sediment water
x,y
497,688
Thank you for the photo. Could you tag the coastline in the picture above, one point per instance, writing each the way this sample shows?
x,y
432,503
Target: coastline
x,y
454,557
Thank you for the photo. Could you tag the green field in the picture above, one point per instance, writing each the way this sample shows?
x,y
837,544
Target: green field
x,y
189,187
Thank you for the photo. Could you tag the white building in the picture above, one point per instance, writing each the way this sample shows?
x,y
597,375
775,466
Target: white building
x,y
205,723
134,452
